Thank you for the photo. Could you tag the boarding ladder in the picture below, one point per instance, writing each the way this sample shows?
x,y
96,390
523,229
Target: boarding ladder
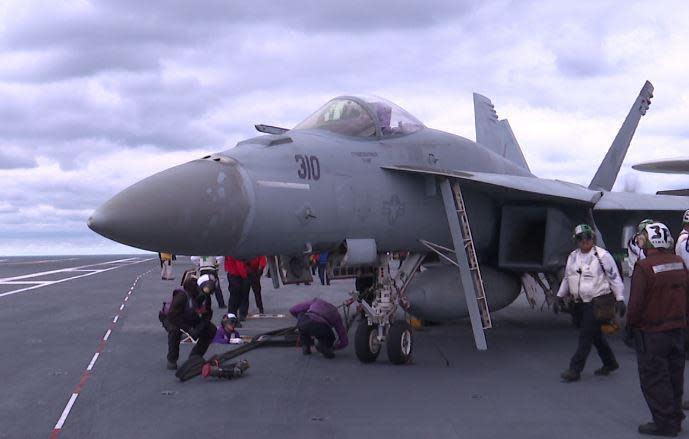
x,y
467,261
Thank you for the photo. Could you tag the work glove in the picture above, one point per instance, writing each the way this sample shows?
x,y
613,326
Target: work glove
x,y
620,308
558,305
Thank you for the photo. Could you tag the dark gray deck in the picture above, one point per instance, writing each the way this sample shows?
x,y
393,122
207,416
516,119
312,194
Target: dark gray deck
x,y
49,336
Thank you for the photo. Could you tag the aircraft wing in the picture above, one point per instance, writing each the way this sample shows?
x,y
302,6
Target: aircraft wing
x,y
628,201
512,186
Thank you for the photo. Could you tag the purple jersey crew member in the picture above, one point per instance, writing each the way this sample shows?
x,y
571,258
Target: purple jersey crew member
x,y
321,313
223,337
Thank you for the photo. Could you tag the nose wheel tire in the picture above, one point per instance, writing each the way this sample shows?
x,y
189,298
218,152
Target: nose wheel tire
x,y
400,342
366,344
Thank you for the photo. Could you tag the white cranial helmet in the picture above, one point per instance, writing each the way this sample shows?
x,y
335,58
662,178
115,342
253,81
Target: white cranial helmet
x,y
658,236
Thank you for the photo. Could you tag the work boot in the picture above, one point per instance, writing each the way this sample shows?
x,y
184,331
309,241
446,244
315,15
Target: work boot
x,y
570,375
171,365
327,351
652,429
306,350
605,370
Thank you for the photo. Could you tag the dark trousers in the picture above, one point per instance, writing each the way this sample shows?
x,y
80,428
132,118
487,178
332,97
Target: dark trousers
x,y
322,275
255,283
218,295
590,334
661,375
239,296
174,337
312,328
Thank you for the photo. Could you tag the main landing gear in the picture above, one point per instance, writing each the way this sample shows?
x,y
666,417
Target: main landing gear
x,y
379,323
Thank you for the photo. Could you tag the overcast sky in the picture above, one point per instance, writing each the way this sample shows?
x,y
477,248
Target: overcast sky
x,y
95,96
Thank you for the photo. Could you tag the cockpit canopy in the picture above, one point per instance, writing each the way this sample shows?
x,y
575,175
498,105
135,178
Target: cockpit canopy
x,y
362,116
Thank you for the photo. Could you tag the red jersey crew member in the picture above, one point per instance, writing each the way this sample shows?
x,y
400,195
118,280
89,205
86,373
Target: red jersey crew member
x,y
591,272
658,311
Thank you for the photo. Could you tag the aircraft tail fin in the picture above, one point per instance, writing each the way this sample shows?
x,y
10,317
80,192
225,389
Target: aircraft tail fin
x,y
610,166
495,134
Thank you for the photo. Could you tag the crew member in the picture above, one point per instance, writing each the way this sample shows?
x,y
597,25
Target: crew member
x,y
591,272
239,285
254,270
323,267
635,246
227,330
682,246
166,263
318,318
209,265
190,311
658,312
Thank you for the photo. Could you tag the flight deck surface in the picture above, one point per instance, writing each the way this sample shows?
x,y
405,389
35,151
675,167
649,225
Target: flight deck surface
x,y
85,358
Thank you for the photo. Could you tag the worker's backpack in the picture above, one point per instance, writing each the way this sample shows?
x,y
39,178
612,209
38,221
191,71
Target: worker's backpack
x,y
165,310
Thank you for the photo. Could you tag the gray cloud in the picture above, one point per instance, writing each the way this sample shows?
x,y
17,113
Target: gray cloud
x,y
13,159
97,95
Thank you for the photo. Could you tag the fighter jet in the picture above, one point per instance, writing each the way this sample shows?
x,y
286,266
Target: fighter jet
x,y
363,178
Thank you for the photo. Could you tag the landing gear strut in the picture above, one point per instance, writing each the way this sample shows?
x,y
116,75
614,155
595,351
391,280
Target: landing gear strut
x,y
379,324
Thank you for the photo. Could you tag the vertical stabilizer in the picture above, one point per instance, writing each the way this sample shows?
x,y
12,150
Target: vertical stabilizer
x,y
610,166
512,151
495,134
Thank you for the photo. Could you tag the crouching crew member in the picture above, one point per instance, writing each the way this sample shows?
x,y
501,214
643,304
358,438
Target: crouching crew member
x,y
227,330
657,317
591,273
190,311
318,318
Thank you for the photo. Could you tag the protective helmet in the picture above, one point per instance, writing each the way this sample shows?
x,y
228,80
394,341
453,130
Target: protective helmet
x,y
642,225
658,236
685,218
583,231
206,284
229,318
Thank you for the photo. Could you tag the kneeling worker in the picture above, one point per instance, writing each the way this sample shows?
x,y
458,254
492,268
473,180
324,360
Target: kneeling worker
x,y
227,331
190,311
658,312
591,272
318,318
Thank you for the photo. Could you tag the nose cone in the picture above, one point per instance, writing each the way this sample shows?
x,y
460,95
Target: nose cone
x,y
198,208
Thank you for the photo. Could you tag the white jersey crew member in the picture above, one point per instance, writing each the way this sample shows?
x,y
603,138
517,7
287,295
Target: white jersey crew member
x,y
682,245
635,246
590,272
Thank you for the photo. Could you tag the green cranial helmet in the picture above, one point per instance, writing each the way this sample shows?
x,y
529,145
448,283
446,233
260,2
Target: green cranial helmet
x,y
642,225
583,231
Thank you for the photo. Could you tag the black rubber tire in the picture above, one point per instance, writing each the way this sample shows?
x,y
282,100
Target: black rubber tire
x,y
362,347
400,341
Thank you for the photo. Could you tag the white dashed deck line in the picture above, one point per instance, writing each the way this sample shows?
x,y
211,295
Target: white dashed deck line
x,y
93,361
66,411
17,280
